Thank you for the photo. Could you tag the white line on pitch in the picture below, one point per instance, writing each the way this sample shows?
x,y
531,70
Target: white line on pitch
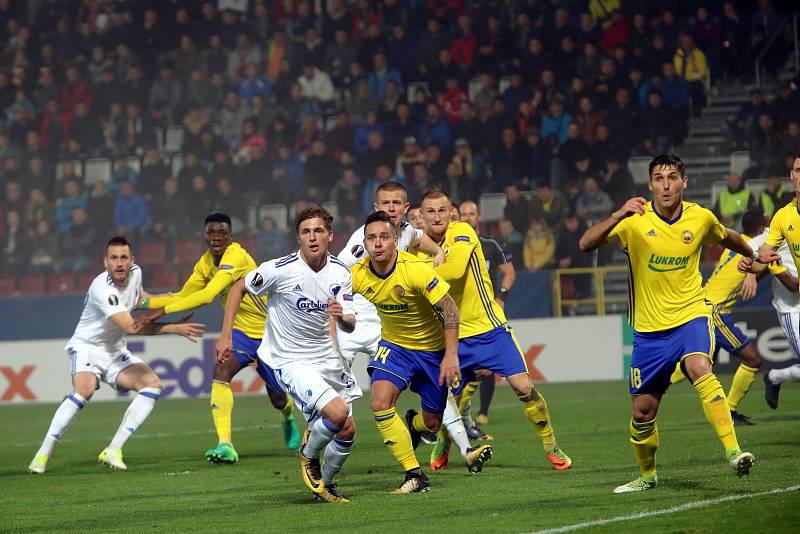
x,y
665,511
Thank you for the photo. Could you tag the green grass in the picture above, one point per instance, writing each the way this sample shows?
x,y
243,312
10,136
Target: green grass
x,y
170,488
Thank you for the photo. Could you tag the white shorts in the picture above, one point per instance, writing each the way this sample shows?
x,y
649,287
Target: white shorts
x,y
791,329
364,339
314,383
104,365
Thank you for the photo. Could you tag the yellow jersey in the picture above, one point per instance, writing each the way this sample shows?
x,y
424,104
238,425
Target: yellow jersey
x,y
404,298
724,286
786,225
470,284
664,284
209,280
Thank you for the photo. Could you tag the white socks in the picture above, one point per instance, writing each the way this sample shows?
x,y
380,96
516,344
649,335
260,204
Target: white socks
x,y
63,417
787,374
336,454
322,432
135,415
451,419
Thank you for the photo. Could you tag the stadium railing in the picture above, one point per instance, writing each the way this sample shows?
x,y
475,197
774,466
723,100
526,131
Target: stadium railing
x,y
599,299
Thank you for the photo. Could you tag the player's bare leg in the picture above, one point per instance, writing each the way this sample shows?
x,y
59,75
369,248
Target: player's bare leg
x,y
145,382
644,441
83,387
535,409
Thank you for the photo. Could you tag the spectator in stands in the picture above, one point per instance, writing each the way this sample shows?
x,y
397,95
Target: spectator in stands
x,y
555,124
656,127
763,24
380,75
451,100
733,201
37,209
250,138
191,167
101,206
347,196
593,204
510,155
765,146
339,55
617,180
76,244
435,129
549,205
85,130
675,93
43,247
790,141
130,211
511,240
770,198
122,172
252,175
73,199
245,53
169,214
14,245
154,172
165,96
317,87
38,176
540,246
573,150
226,200
708,33
518,209
360,103
383,174
270,240
232,118
691,65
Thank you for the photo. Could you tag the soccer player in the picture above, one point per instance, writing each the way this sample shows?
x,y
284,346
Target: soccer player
x,y
305,290
414,216
222,265
418,346
392,198
497,261
723,288
663,240
486,341
98,352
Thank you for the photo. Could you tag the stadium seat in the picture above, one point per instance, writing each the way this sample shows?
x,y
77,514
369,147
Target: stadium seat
x,y
188,250
492,206
8,286
174,139
151,253
60,167
166,278
473,86
97,169
176,164
639,167
160,138
31,285
740,162
135,163
278,212
61,283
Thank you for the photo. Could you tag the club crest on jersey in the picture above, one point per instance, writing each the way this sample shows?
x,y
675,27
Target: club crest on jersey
x,y
258,280
399,291
308,305
687,236
113,300
357,251
335,288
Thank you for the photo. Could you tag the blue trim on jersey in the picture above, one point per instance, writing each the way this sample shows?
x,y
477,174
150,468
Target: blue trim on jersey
x,y
388,274
339,262
277,265
76,401
286,259
787,317
149,395
668,221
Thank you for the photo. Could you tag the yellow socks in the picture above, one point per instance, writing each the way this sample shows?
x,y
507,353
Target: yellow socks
x,y
535,409
742,381
677,375
396,437
288,409
419,423
221,409
715,406
466,394
644,441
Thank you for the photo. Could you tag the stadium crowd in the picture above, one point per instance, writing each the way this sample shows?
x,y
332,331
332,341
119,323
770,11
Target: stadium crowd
x,y
305,102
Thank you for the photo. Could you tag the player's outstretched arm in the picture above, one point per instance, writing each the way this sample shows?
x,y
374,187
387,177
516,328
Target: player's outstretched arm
x,y
346,322
126,323
234,301
596,236
766,254
788,281
449,369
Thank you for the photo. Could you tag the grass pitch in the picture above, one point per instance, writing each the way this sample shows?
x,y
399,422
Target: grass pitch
x,y
169,487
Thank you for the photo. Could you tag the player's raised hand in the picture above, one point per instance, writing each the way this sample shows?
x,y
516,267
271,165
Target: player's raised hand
x,y
148,316
633,205
767,256
335,309
224,348
449,371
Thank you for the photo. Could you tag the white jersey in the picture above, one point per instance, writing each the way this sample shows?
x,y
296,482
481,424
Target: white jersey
x,y
298,327
784,300
103,300
354,251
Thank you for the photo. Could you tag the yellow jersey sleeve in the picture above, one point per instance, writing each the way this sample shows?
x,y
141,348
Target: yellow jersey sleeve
x,y
619,234
428,283
193,284
776,232
716,231
460,242
232,266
